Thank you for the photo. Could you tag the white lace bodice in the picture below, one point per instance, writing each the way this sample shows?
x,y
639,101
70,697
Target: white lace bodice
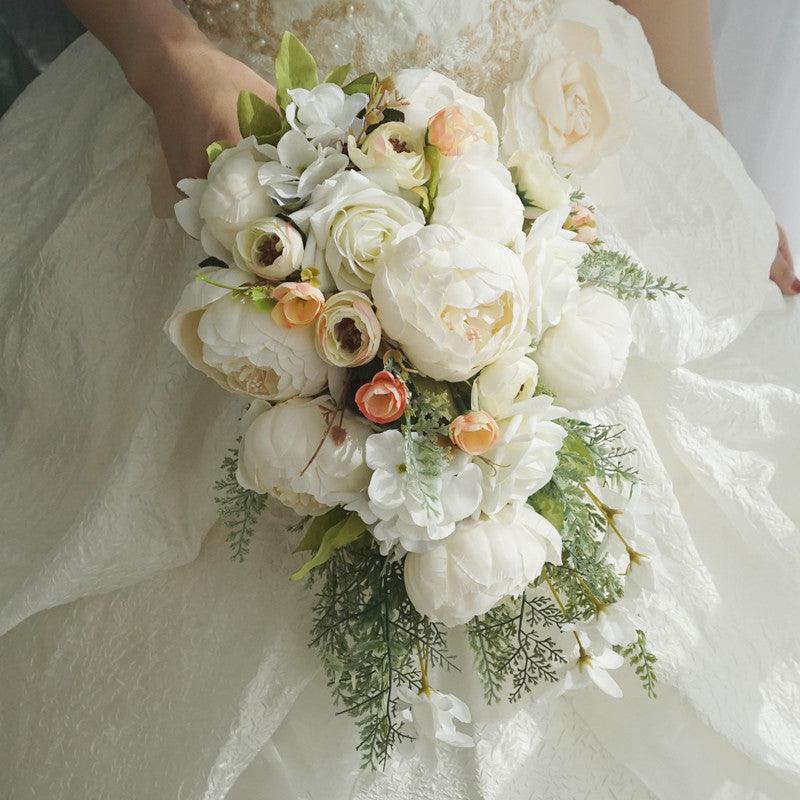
x,y
477,42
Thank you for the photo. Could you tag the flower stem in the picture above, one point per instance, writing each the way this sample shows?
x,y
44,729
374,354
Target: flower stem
x,y
560,604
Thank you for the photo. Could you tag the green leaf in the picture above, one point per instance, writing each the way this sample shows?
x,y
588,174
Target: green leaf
x,y
575,459
363,83
312,538
256,116
216,148
434,159
295,68
550,504
340,535
338,75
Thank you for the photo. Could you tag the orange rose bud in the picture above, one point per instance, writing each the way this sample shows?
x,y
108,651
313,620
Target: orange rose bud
x,y
383,399
297,304
474,432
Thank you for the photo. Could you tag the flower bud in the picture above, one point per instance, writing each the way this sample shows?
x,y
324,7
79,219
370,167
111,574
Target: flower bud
x,y
297,304
474,432
383,399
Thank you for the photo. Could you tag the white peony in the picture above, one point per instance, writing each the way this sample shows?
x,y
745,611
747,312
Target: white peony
x,y
505,384
551,258
479,196
239,345
571,102
228,201
393,156
409,518
325,115
270,248
482,563
428,92
297,167
279,444
453,302
351,221
538,181
525,456
583,358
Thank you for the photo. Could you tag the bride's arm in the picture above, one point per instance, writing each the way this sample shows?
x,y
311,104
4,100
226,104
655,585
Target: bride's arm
x,y
679,31
191,86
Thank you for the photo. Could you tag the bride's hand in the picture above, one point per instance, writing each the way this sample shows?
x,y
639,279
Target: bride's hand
x,y
782,270
193,94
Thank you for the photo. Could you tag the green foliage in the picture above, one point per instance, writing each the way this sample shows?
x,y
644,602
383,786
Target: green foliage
x,y
575,462
239,508
611,456
258,118
434,158
363,84
642,662
549,502
628,280
512,648
295,68
214,150
370,640
338,75
338,535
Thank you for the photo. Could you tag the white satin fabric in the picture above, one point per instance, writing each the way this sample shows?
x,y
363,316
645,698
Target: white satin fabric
x,y
139,662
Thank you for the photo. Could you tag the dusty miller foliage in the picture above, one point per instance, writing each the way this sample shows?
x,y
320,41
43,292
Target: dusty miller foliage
x,y
620,275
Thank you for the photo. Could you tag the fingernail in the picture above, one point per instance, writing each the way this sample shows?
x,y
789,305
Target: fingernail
x,y
796,285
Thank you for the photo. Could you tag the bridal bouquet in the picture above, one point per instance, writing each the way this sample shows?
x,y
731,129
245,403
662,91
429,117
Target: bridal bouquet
x,y
417,323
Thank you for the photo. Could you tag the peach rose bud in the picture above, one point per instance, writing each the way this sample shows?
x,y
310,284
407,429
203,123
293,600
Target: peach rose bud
x,y
297,304
582,221
383,399
451,132
474,432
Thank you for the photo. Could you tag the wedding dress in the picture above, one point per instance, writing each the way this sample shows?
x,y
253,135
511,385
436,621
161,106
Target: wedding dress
x,y
139,662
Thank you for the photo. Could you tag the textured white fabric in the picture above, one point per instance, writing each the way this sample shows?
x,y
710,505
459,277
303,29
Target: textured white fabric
x,y
161,673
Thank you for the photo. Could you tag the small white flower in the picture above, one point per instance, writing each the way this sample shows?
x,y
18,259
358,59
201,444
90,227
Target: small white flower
x,y
454,302
551,258
614,623
276,455
538,181
407,519
500,388
591,667
484,561
431,716
479,196
270,248
228,201
525,456
583,358
297,167
325,115
351,221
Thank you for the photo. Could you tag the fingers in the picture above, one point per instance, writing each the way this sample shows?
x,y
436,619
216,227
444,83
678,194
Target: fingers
x,y
783,274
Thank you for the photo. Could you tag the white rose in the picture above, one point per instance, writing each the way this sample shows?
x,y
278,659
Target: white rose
x,y
280,443
480,197
347,332
572,104
405,517
453,302
482,563
583,358
551,258
392,156
325,114
538,181
351,221
229,200
500,388
525,455
297,167
428,92
270,248
239,345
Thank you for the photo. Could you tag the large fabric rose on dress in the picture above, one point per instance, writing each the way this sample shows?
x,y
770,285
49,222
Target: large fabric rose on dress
x,y
239,345
226,202
452,301
483,562
583,358
351,220
292,452
571,102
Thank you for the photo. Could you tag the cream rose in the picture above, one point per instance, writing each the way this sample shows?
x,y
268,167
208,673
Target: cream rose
x,y
538,182
270,248
453,302
351,221
574,105
348,333
500,388
239,345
